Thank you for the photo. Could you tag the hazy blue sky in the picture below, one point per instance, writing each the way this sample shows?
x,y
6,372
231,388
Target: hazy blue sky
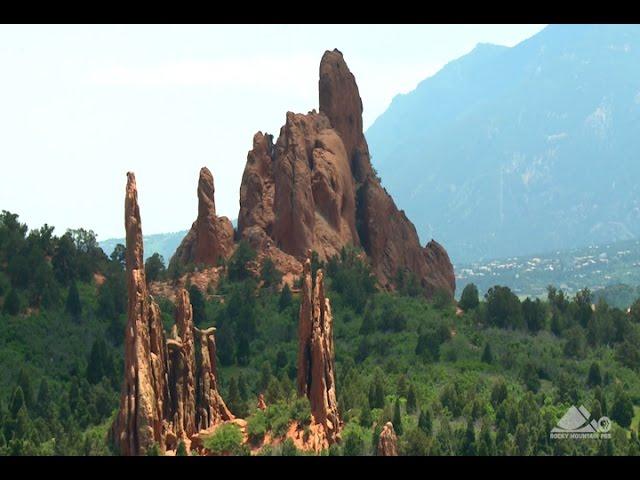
x,y
82,105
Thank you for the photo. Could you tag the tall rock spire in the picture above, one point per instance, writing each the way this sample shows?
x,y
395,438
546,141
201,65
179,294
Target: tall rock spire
x,y
186,396
211,407
158,400
339,100
210,237
316,362
139,423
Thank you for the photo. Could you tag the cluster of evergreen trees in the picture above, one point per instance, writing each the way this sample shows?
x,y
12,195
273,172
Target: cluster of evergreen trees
x,y
492,381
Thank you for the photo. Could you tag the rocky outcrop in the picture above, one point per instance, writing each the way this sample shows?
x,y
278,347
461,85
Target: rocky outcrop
x,y
316,361
210,237
339,99
158,403
439,268
186,367
144,396
299,192
388,442
315,189
261,403
211,408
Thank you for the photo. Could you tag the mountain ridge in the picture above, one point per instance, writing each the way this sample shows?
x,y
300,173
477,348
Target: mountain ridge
x,y
516,145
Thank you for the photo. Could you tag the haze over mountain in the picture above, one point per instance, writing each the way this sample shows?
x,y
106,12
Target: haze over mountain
x,y
513,151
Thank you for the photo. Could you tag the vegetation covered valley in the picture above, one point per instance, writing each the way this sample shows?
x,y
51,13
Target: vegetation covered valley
x,y
490,376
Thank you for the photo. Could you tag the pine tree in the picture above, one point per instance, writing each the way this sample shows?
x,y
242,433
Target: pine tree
x,y
424,421
365,416
487,355
622,409
376,392
411,399
11,304
265,376
556,323
600,397
181,450
486,446
469,442
233,399
281,360
197,305
97,365
502,438
43,403
402,386
596,410
153,450
368,322
522,440
594,378
269,274
237,266
242,388
17,401
469,298
397,418
73,305
243,352
286,299
22,424
498,394
445,438
24,382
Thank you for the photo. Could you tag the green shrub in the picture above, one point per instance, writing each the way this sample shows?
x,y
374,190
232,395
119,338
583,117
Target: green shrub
x,y
278,416
354,440
301,411
227,439
257,427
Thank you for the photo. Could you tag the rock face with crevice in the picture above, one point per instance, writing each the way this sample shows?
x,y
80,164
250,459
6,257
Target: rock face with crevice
x,y
388,442
210,237
316,360
158,403
315,189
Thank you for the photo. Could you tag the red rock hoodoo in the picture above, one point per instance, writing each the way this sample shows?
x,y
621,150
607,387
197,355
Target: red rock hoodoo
x,y
143,400
316,189
388,442
210,237
212,410
158,401
316,361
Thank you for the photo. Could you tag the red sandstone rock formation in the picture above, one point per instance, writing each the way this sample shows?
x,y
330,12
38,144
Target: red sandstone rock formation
x,y
211,408
439,267
388,442
261,403
315,189
158,402
316,362
187,396
210,237
143,400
